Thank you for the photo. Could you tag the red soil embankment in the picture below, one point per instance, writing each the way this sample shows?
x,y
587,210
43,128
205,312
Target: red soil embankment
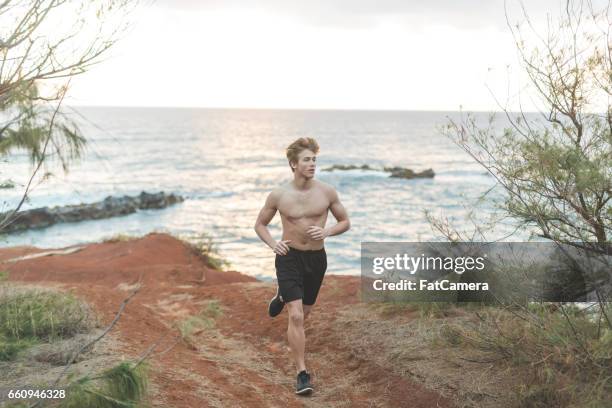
x,y
242,360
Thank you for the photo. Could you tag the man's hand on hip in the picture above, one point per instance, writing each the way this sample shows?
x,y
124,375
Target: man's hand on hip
x,y
317,233
281,247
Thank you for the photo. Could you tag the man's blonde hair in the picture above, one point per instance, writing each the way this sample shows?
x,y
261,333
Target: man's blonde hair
x,y
301,144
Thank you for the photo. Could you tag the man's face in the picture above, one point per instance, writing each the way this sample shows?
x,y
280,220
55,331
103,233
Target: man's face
x,y
306,163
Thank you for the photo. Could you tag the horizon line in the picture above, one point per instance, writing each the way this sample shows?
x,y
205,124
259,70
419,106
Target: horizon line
x,y
292,109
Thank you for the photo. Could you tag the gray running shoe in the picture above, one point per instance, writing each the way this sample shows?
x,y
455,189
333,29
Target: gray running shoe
x,y
303,387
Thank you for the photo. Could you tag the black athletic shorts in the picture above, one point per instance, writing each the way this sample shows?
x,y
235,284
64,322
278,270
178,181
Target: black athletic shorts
x,y
300,274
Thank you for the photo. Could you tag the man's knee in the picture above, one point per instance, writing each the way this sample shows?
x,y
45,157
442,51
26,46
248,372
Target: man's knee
x,y
296,317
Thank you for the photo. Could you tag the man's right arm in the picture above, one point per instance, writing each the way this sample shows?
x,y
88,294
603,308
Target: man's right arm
x,y
263,219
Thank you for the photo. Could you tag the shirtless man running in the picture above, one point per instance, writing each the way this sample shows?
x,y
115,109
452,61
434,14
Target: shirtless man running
x,y
300,256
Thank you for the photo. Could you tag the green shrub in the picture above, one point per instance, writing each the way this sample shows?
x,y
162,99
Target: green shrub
x,y
122,386
204,247
28,316
9,349
42,315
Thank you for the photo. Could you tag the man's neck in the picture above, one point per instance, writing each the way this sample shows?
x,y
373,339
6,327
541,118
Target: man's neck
x,y
302,183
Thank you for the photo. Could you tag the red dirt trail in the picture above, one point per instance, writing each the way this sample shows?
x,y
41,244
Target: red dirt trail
x,y
241,360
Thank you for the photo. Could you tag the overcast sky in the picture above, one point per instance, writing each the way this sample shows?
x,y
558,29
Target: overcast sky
x,y
316,54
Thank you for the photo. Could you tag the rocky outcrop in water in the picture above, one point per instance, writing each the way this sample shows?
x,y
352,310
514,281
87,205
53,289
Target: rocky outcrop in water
x,y
400,172
107,208
396,172
7,184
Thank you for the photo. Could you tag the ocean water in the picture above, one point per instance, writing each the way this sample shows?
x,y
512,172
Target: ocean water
x,y
226,161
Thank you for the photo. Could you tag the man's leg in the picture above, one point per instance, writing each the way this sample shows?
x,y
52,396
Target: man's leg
x,y
295,333
307,309
317,265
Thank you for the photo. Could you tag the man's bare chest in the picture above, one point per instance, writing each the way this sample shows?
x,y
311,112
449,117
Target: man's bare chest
x,y
295,205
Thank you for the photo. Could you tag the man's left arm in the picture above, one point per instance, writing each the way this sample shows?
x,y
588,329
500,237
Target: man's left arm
x,y
339,212
337,209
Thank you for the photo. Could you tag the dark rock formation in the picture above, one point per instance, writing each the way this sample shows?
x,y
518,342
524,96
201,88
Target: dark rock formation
x,y
348,167
400,172
107,208
396,172
6,184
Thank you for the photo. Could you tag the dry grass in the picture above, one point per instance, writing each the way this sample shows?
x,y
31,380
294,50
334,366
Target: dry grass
x,y
30,316
204,247
120,238
564,355
205,320
40,330
537,356
406,339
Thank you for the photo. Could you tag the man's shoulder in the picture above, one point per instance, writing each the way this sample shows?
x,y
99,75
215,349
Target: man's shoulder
x,y
279,191
327,188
